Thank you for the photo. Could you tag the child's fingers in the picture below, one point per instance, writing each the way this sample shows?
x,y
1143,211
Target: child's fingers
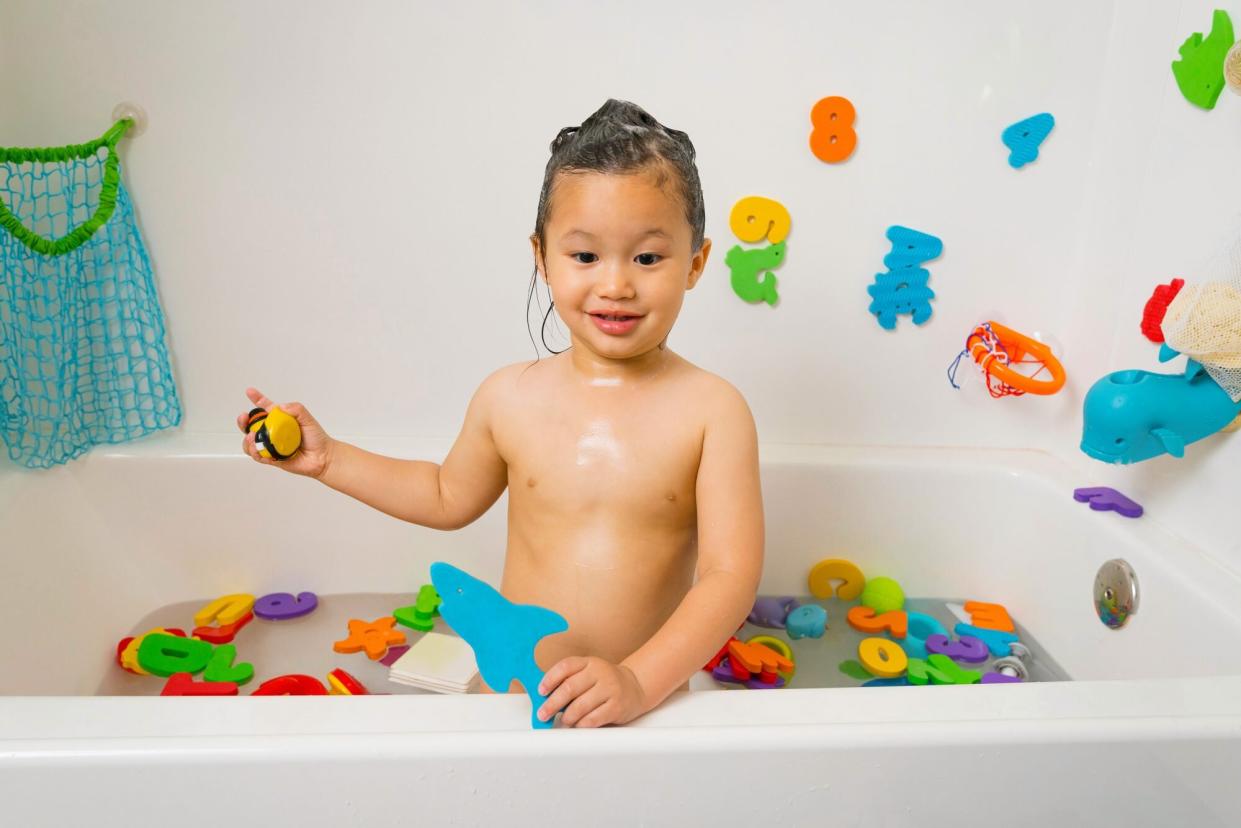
x,y
604,714
587,703
569,689
297,411
256,397
248,446
560,671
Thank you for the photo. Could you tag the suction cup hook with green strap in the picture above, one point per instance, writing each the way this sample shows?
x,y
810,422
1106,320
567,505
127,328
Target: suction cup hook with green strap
x,y
128,118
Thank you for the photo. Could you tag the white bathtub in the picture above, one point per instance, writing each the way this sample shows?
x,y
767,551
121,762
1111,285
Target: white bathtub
x,y
1147,733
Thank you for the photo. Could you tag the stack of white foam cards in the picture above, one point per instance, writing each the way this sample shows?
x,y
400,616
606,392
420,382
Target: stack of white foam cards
x,y
439,663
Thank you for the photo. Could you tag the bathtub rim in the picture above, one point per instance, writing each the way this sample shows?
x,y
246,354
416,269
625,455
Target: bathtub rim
x,y
36,724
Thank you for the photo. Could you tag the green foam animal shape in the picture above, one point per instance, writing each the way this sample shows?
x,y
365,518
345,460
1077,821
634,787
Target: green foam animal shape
x,y
746,265
422,613
1200,71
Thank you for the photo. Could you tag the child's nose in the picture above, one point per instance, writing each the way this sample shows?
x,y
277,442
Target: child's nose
x,y
614,283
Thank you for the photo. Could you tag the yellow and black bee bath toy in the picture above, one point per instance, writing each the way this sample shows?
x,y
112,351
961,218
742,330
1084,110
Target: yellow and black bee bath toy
x,y
276,432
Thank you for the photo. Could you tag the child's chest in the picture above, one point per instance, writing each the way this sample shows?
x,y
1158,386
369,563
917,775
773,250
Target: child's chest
x,y
637,456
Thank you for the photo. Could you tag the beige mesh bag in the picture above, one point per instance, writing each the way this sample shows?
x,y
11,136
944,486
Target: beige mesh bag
x,y
1204,320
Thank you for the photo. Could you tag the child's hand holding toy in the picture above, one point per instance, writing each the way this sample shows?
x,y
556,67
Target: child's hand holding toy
x,y
285,435
592,692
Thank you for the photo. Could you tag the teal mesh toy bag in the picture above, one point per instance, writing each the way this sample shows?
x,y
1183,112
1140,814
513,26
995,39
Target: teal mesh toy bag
x,y
82,355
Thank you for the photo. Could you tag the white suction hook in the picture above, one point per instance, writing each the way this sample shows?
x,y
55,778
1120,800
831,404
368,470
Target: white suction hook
x,y
133,112
1050,340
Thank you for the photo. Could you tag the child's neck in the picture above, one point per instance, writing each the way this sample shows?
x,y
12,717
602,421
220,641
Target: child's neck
x,y
595,369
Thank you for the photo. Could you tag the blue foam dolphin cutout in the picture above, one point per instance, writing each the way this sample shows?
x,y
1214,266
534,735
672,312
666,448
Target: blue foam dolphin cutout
x,y
502,634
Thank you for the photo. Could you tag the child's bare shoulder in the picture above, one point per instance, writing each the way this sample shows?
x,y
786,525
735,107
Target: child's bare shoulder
x,y
712,395
503,381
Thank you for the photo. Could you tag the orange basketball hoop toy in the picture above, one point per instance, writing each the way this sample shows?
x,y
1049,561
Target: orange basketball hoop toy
x,y
999,351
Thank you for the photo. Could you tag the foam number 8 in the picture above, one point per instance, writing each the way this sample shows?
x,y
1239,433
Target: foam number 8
x,y
755,218
833,139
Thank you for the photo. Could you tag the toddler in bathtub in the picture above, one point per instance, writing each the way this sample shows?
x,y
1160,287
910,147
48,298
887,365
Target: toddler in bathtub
x,y
630,470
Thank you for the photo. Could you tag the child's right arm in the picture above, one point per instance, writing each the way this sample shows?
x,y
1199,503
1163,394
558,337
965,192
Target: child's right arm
x,y
440,496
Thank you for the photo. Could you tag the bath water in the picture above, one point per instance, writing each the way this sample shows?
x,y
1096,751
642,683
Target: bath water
x,y
304,645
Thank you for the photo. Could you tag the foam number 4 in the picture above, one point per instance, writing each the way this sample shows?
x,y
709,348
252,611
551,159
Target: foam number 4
x,y
1024,137
755,218
833,139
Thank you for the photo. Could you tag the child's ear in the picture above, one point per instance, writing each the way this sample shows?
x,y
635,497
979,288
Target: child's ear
x,y
698,264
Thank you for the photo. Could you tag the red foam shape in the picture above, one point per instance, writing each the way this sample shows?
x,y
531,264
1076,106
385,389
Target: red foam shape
x,y
224,633
291,685
124,642
1157,307
183,684
351,684
718,657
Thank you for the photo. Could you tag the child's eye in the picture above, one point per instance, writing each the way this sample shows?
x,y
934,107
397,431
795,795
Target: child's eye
x,y
648,258
591,260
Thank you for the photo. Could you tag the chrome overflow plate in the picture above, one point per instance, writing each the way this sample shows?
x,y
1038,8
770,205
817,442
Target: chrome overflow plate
x,y
1116,593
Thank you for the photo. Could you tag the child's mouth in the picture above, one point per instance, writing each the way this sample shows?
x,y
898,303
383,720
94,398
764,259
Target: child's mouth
x,y
615,323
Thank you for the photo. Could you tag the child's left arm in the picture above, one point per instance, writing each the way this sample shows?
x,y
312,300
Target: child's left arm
x,y
730,562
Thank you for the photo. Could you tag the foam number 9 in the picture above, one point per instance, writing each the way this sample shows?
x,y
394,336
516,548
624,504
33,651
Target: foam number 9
x,y
833,139
755,218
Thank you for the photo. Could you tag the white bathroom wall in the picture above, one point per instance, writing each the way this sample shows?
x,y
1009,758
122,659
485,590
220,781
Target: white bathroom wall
x,y
337,197
1160,204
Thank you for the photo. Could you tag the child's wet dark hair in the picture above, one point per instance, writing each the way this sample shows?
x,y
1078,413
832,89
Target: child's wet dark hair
x,y
620,138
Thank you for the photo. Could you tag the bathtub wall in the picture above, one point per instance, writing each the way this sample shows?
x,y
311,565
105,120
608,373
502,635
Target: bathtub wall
x,y
337,198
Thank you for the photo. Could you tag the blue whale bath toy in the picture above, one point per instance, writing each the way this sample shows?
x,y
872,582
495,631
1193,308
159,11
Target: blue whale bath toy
x,y
1130,416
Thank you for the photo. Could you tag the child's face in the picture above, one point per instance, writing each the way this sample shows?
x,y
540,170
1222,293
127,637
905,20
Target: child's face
x,y
620,246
